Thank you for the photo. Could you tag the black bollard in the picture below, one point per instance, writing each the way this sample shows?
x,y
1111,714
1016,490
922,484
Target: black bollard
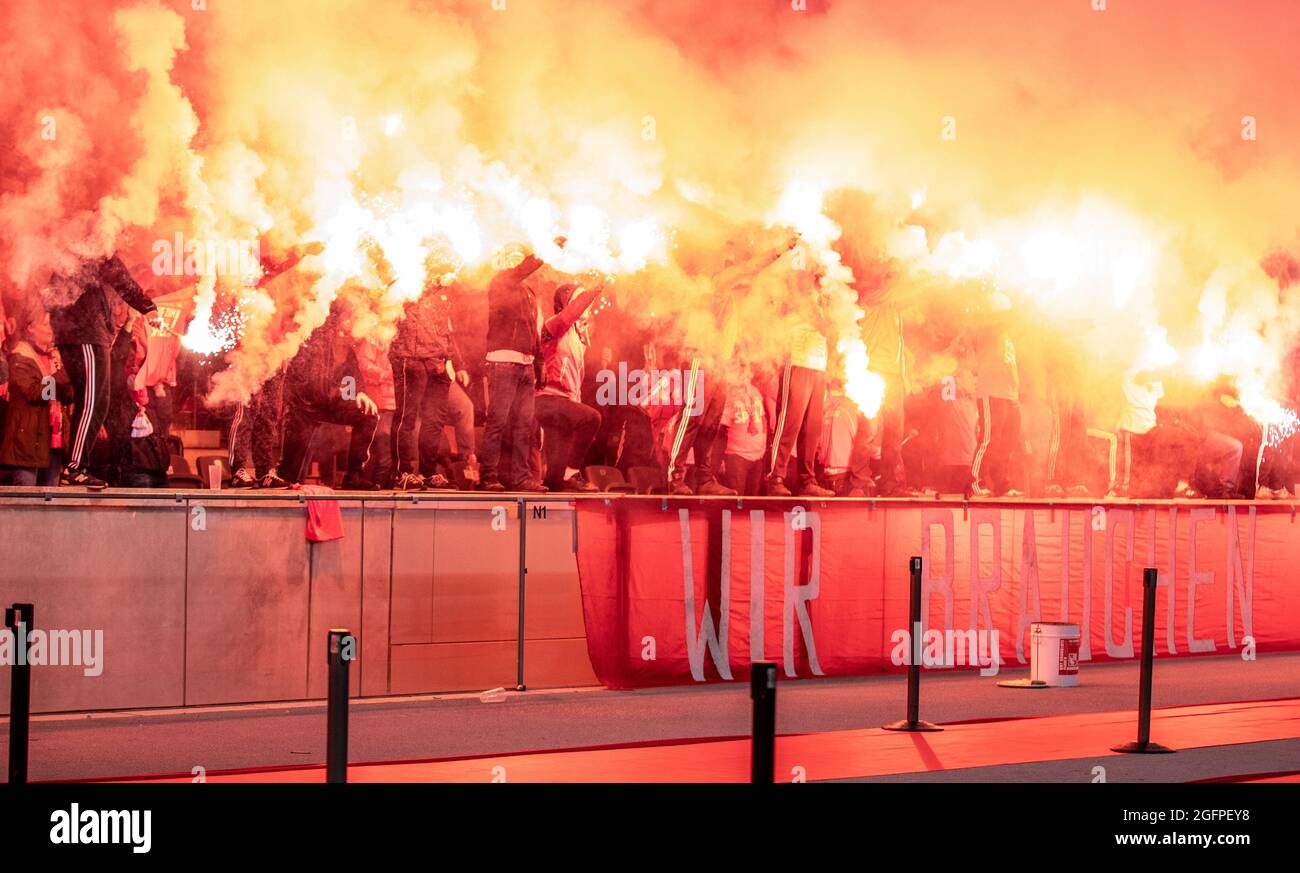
x,y
913,721
762,690
342,647
1144,746
19,619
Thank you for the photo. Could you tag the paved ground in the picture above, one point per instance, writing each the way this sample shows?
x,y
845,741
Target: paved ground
x,y
175,741
1213,762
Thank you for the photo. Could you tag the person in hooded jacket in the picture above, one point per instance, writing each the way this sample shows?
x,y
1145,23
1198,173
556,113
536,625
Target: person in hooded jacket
x,y
425,360
323,384
81,312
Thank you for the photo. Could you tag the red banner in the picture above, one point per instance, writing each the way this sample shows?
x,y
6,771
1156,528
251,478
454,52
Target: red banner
x,y
683,591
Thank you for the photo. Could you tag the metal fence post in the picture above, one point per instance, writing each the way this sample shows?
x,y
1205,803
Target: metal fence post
x,y
19,619
523,572
342,648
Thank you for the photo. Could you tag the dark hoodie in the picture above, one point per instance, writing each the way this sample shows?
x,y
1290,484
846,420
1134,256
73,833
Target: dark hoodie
x,y
89,319
316,373
425,333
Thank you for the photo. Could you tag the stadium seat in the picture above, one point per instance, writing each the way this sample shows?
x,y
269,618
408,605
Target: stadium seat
x,y
181,476
609,479
648,480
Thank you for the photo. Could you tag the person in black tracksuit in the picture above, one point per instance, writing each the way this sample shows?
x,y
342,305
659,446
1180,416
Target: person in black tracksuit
x,y
323,385
84,331
424,357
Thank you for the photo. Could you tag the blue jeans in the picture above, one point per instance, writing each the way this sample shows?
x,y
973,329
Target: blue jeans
x,y
510,392
34,476
144,479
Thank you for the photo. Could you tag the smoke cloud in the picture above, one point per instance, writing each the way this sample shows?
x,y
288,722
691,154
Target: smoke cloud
x,y
1122,175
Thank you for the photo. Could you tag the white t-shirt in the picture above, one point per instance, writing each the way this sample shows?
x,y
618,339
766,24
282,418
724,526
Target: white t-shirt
x,y
1139,414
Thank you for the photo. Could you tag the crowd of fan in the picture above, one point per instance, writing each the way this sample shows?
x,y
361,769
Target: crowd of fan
x,y
87,387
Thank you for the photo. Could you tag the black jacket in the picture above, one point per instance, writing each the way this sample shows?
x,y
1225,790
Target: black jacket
x,y
316,373
425,330
512,314
89,319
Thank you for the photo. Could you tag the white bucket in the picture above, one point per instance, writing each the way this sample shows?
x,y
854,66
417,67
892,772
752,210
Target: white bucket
x,y
1054,653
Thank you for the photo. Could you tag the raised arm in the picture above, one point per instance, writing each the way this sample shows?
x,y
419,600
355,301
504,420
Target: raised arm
x,y
565,318
115,274
747,270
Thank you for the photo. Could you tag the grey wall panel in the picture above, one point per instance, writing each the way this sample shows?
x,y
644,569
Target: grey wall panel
x,y
224,601
335,600
376,591
117,568
247,612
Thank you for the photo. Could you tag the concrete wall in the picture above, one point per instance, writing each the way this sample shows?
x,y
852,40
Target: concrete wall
x,y
205,601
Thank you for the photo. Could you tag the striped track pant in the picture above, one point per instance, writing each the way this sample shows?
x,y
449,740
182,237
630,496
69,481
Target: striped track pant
x,y
88,370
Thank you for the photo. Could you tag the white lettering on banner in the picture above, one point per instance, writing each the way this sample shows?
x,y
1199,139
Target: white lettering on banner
x,y
1124,649
988,564
1243,586
982,586
1065,566
1028,585
1165,578
704,636
757,594
1172,581
1195,578
1085,626
929,582
938,576
797,596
